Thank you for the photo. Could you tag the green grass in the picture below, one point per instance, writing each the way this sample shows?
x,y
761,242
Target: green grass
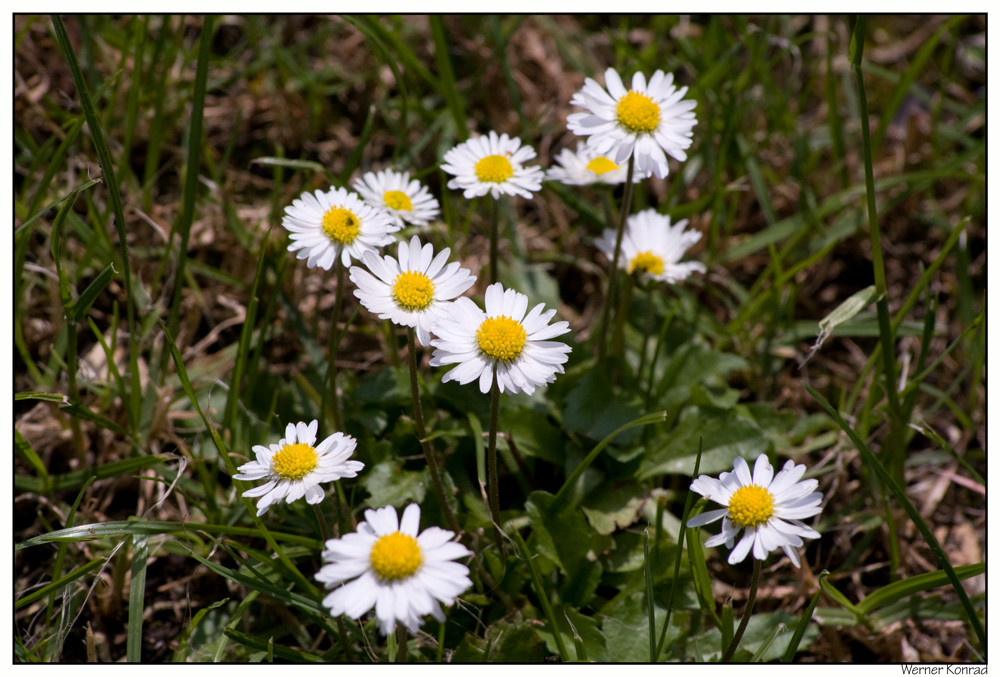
x,y
161,329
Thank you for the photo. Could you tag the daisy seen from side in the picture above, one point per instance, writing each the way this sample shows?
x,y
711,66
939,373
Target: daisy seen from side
x,y
585,166
492,165
506,336
413,289
653,247
389,564
650,120
325,225
296,466
406,201
768,508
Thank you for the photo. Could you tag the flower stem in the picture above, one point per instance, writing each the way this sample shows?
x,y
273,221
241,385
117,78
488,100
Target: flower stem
x,y
331,367
418,415
324,530
613,276
754,580
491,461
494,239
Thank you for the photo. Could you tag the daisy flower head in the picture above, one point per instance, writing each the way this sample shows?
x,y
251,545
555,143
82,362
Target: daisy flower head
x,y
651,120
653,247
405,200
414,289
402,573
296,466
586,166
325,225
768,507
503,336
492,164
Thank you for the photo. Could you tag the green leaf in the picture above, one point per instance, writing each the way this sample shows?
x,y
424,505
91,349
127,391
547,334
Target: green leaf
x,y
565,538
90,532
136,598
588,642
78,310
846,311
513,642
72,480
291,164
725,434
59,584
898,590
267,645
388,484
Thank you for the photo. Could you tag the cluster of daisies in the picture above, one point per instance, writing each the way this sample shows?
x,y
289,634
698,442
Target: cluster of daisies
x,y
388,564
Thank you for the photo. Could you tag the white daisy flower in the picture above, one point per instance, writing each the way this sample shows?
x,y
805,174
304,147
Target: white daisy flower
x,y
770,507
585,166
295,468
653,247
325,225
405,201
648,120
492,164
502,336
402,573
414,290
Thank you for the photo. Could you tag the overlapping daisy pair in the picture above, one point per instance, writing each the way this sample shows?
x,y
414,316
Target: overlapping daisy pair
x,y
648,121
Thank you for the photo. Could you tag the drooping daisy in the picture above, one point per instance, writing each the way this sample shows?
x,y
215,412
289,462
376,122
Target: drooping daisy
x,y
406,201
653,247
295,468
649,119
414,289
325,225
402,573
769,507
503,336
585,166
492,164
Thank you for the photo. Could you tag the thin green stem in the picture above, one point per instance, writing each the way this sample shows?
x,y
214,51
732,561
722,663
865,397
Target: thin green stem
x,y
418,416
494,239
754,580
613,275
331,367
493,479
324,530
896,427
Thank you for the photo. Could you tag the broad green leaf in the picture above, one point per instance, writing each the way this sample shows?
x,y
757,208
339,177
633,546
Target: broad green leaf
x,y
898,590
388,484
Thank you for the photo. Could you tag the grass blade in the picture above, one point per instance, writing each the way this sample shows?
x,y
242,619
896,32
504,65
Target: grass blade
x,y
136,598
107,167
872,461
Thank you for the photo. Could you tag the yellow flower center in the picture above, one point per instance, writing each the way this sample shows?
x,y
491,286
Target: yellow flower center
x,y
494,169
751,506
647,262
341,225
601,165
638,113
412,290
396,556
397,199
501,338
294,461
